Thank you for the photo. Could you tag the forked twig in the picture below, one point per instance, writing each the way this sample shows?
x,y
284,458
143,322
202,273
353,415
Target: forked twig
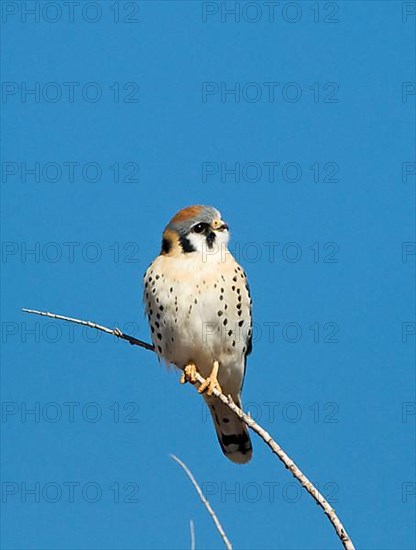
x,y
265,436
204,502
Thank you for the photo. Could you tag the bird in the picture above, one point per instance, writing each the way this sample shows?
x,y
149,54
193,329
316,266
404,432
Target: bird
x,y
198,304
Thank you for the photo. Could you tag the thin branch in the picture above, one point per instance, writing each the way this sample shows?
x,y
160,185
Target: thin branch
x,y
207,505
192,531
265,436
115,331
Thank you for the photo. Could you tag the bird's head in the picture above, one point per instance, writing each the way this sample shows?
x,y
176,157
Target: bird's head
x,y
195,229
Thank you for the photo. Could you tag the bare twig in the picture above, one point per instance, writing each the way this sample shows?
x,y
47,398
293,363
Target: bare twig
x,y
114,331
207,505
192,531
265,436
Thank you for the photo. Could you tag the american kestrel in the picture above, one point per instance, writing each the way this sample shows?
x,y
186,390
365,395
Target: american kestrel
x,y
199,309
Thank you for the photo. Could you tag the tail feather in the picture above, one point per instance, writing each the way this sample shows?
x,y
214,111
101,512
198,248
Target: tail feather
x,y
232,433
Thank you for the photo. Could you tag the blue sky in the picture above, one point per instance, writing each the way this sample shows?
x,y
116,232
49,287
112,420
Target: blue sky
x,y
298,124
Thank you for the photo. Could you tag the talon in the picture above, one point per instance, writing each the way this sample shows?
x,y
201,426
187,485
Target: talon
x,y
211,383
189,374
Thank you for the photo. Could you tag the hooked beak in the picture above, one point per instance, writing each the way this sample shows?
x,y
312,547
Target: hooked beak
x,y
219,225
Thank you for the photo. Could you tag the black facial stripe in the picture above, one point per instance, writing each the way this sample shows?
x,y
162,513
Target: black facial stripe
x,y
166,246
186,245
211,239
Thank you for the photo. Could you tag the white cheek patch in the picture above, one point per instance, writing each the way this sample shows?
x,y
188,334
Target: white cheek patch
x,y
217,250
222,239
197,241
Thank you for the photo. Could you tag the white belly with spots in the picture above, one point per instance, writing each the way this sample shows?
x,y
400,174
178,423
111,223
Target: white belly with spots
x,y
200,317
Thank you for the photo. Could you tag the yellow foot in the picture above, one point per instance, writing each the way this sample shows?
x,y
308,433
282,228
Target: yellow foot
x,y
189,374
211,383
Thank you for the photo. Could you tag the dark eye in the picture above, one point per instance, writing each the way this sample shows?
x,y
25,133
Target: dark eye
x,y
199,227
